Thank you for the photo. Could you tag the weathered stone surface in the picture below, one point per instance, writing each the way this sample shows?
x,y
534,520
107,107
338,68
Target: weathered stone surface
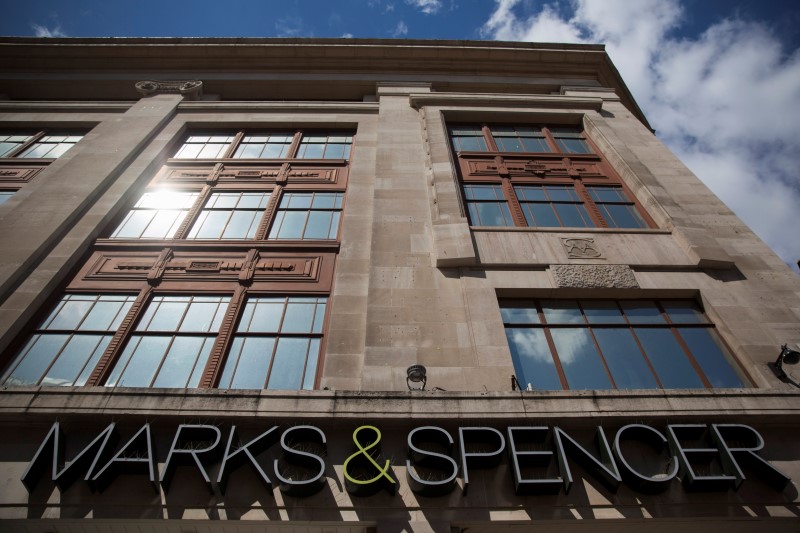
x,y
594,276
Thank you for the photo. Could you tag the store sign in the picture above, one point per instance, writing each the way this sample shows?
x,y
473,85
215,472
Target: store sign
x,y
641,456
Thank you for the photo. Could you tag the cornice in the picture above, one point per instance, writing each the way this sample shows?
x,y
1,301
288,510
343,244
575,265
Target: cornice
x,y
64,107
249,107
494,100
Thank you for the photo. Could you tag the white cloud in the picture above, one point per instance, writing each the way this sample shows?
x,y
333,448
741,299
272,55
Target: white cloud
x,y
724,101
44,31
347,36
428,7
400,30
290,26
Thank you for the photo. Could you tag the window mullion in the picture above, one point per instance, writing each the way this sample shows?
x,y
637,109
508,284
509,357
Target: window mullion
x,y
517,215
194,212
219,352
295,146
591,207
234,145
551,142
269,213
489,139
24,146
106,363
644,353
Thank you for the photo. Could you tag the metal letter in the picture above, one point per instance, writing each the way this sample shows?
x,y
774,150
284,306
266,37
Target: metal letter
x,y
245,453
480,459
605,467
774,477
636,479
182,452
294,456
432,460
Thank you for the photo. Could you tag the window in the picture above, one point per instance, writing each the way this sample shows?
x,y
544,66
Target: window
x,y
277,344
66,347
6,196
37,146
157,215
171,342
605,344
304,215
487,205
515,175
230,215
552,206
267,145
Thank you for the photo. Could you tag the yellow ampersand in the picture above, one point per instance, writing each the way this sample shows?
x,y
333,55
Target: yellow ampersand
x,y
364,451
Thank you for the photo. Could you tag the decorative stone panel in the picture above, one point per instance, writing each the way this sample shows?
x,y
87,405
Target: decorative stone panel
x,y
594,276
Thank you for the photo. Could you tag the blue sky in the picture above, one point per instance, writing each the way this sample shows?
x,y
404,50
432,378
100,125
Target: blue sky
x,y
718,79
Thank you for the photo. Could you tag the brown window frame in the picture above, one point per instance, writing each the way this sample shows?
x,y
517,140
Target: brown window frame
x,y
667,323
297,136
512,169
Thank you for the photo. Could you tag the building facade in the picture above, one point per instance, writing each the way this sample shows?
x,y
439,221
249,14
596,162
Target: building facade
x,y
365,285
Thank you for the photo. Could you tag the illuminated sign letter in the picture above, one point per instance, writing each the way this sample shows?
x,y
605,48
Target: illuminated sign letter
x,y
436,484
303,459
184,451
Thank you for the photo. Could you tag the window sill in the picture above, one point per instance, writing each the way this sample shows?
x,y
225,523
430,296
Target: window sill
x,y
650,231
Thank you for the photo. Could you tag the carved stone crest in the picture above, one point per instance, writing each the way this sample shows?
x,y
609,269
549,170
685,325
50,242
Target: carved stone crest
x,y
190,89
580,248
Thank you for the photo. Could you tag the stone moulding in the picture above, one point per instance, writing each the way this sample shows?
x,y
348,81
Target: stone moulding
x,y
190,89
594,276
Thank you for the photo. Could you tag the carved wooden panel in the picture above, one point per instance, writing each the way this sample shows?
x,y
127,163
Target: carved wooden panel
x,y
18,174
178,266
479,167
295,172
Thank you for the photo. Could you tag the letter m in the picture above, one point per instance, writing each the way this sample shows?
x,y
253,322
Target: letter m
x,y
50,456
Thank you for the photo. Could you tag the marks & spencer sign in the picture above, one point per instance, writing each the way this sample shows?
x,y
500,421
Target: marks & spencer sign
x,y
646,458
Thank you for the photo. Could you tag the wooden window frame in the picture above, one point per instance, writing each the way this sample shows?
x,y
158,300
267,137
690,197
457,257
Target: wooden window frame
x,y
510,169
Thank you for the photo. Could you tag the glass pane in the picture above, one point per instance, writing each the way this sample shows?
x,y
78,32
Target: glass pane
x,y
573,216
73,357
519,315
297,200
242,225
248,151
266,316
319,317
562,312
311,151
143,362
684,312
36,357
492,214
624,359
290,361
319,223
133,225
607,194
253,201
311,365
168,315
602,312
180,362
532,144
533,362
673,368
642,312
225,200
298,318
254,358
540,215
710,355
164,224
531,193
483,192
579,359
573,146
200,315
209,225
508,144
36,151
470,144
334,228
324,200
59,150
292,225
622,216
189,151
5,196
562,194
102,315
70,312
